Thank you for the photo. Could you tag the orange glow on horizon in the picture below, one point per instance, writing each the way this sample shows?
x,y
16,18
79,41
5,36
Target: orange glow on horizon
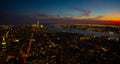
x,y
111,18
115,22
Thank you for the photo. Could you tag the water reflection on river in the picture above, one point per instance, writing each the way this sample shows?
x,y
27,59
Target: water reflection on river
x,y
84,32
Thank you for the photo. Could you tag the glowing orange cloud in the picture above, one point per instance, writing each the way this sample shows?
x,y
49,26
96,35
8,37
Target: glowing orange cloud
x,y
112,15
111,18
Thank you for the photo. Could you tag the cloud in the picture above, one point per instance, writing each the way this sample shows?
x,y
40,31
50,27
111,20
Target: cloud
x,y
7,17
85,12
12,18
99,17
58,15
43,15
46,15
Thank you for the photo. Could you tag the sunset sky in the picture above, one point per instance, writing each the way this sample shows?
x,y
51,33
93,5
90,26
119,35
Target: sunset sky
x,y
59,11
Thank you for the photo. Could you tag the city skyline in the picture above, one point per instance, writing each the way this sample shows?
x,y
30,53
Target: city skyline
x,y
60,11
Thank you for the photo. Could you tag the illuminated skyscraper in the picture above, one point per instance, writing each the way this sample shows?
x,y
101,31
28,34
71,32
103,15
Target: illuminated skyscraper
x,y
38,23
3,50
3,43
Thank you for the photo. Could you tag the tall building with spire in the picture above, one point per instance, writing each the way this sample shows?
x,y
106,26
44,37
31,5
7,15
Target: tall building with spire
x,y
3,50
3,43
38,23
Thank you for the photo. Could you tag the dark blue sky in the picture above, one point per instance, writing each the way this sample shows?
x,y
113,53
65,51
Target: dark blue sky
x,y
28,10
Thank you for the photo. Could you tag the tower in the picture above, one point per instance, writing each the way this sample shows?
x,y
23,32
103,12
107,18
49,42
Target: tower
x,y
3,50
3,43
37,23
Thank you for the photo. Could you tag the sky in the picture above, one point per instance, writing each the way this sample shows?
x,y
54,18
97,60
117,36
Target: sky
x,y
59,11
